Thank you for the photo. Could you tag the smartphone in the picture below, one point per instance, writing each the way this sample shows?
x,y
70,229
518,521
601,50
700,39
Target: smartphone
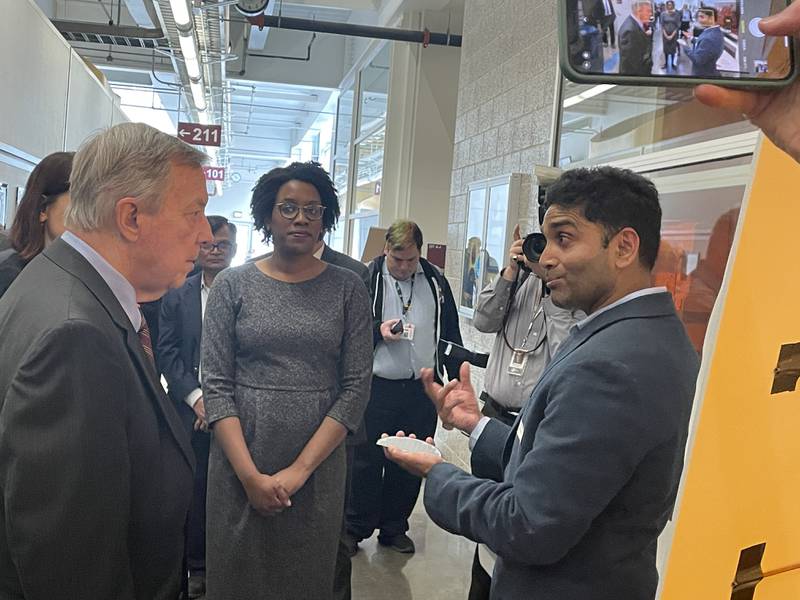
x,y
639,42
396,328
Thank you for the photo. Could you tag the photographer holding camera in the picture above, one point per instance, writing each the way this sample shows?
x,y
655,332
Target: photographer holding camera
x,y
529,327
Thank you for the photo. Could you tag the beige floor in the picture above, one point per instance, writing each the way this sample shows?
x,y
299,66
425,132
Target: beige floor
x,y
440,569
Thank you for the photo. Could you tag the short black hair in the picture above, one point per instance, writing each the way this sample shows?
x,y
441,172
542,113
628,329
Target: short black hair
x,y
615,199
217,222
266,192
709,10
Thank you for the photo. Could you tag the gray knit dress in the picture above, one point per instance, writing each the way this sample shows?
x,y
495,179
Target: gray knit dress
x,y
281,356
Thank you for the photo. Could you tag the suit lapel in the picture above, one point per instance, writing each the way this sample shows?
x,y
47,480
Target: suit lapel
x,y
194,315
74,263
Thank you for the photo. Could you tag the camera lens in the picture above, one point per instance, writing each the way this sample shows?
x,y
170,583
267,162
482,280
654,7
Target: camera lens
x,y
533,246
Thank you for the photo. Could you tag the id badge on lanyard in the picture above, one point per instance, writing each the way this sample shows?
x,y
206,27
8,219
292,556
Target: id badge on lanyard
x,y
519,359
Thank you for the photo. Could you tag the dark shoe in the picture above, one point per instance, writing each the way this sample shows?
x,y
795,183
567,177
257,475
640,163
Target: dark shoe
x,y
197,586
351,543
399,543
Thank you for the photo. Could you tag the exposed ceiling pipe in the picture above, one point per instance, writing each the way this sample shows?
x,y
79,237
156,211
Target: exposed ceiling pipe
x,y
382,33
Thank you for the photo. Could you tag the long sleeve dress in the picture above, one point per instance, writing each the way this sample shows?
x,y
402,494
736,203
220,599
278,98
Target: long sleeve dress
x,y
281,356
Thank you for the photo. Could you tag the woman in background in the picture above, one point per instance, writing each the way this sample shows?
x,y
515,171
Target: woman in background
x,y
40,215
287,364
670,29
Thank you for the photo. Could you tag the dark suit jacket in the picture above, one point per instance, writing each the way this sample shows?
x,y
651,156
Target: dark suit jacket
x,y
572,498
706,52
95,468
180,329
331,256
635,49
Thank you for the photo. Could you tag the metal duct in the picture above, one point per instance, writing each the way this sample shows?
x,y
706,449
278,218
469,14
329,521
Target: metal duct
x,y
382,33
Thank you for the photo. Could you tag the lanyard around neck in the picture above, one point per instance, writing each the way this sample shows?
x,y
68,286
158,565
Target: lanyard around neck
x,y
406,307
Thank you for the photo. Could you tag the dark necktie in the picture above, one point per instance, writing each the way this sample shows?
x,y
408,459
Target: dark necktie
x,y
144,338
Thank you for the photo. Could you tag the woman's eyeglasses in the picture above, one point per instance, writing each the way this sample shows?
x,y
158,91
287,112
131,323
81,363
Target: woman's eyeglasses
x,y
289,210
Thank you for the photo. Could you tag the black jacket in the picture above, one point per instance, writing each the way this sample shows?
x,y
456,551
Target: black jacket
x,y
178,356
446,320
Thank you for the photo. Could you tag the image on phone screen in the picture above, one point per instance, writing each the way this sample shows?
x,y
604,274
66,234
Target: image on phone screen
x,y
712,39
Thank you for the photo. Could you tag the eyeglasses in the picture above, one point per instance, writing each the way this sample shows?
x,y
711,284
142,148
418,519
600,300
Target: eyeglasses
x,y
289,210
223,246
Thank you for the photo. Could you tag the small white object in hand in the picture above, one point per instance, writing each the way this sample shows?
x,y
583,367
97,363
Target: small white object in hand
x,y
409,445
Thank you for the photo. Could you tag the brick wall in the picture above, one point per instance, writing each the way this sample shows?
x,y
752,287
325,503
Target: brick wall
x,y
503,125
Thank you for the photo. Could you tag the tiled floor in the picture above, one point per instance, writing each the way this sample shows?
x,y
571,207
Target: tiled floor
x,y
440,569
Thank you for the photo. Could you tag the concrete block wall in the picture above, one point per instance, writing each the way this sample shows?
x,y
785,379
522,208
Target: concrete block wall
x,y
504,121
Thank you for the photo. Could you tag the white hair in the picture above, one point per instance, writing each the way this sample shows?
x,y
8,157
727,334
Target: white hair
x,y
637,4
127,160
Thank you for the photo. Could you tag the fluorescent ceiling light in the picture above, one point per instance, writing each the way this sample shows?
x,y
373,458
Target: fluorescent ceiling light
x,y
198,95
180,12
189,52
585,95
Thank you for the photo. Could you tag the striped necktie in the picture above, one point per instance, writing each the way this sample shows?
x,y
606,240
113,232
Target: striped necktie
x,y
144,338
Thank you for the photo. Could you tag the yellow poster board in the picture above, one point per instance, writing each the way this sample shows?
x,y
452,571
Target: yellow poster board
x,y
741,485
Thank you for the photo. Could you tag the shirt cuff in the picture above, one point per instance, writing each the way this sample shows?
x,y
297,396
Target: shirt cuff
x,y
476,433
192,397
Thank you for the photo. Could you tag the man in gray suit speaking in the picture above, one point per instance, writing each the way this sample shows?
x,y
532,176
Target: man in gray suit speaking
x,y
573,496
95,467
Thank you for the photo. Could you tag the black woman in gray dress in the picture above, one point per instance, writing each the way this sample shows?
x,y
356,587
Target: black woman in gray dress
x,y
286,366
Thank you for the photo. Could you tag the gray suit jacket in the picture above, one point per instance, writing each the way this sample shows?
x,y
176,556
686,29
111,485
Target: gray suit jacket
x,y
95,468
635,49
573,497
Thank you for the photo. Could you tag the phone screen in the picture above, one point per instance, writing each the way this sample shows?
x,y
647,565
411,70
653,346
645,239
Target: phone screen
x,y
709,40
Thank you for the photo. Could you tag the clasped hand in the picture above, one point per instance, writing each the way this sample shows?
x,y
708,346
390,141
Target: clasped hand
x,y
271,494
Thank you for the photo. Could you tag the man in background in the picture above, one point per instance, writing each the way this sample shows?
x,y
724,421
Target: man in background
x,y
95,468
181,326
708,46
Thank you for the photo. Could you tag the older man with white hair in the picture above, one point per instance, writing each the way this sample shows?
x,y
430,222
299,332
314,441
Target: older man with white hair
x,y
636,40
95,468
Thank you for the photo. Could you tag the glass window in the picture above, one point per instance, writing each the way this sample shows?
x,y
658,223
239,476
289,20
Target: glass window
x,y
700,206
359,234
472,276
605,122
340,175
344,121
496,231
375,90
369,174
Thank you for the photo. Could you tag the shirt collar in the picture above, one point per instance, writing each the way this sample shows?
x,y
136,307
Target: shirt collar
x,y
632,296
419,271
318,253
120,287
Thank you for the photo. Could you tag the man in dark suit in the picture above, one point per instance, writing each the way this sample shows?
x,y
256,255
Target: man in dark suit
x,y
341,583
95,468
573,496
181,326
708,46
636,40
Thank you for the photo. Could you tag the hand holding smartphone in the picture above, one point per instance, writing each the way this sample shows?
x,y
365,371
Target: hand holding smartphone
x,y
728,46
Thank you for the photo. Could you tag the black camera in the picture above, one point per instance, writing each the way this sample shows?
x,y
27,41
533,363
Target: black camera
x,y
397,328
533,246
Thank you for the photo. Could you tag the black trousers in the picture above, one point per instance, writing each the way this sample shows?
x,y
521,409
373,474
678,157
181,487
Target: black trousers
x,y
383,495
196,527
481,583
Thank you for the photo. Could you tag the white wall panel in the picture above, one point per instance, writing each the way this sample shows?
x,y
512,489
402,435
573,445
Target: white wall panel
x,y
33,76
89,105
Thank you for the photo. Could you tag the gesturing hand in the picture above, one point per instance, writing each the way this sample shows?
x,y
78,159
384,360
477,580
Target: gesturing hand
x,y
266,494
456,402
776,113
